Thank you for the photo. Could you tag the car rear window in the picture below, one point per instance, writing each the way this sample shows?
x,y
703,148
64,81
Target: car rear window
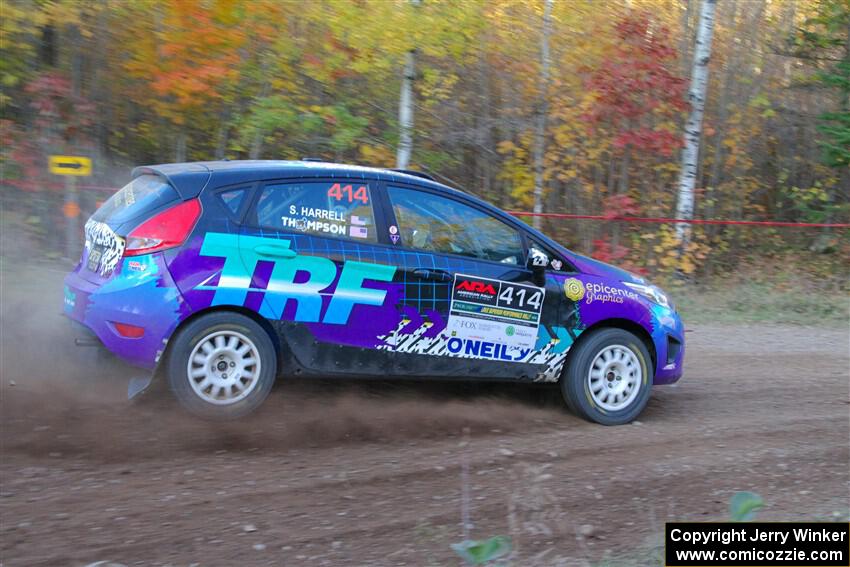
x,y
142,194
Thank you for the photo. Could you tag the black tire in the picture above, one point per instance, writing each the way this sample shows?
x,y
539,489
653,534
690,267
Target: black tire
x,y
203,401
575,381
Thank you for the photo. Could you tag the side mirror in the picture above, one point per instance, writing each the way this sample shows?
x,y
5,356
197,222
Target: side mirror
x,y
537,263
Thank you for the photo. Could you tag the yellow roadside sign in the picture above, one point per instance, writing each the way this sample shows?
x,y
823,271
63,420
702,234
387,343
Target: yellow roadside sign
x,y
70,165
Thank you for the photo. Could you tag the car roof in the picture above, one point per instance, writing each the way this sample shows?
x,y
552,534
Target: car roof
x,y
190,178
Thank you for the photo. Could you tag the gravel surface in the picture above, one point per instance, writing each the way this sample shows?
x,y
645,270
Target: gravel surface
x,y
377,473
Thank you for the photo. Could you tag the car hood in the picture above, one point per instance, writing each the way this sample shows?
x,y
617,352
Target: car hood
x,y
593,267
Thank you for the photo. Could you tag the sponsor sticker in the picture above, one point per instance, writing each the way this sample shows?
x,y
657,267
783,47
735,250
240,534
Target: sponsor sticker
x,y
105,247
573,289
233,283
486,349
70,300
358,232
495,312
602,293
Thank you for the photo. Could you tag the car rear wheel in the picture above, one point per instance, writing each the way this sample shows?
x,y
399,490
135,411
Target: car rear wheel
x,y
607,378
222,366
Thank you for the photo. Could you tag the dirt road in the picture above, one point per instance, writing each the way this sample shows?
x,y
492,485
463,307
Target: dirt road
x,y
334,473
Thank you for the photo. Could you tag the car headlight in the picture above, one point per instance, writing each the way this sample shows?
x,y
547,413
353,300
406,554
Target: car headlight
x,y
650,292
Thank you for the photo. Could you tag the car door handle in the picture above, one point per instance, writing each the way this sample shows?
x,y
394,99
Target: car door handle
x,y
437,275
275,250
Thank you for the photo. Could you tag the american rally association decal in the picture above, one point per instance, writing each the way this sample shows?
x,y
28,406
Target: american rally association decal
x,y
505,314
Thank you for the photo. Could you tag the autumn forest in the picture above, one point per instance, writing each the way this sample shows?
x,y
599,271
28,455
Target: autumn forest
x,y
564,106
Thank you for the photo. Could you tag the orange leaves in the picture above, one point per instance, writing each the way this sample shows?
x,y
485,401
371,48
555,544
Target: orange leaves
x,y
188,56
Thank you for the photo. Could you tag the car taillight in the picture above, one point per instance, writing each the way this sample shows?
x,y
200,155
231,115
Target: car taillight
x,y
166,230
129,331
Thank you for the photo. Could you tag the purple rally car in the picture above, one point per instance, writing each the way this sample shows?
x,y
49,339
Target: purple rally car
x,y
221,276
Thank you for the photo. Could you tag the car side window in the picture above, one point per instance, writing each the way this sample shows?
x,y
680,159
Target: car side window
x,y
233,199
437,224
336,209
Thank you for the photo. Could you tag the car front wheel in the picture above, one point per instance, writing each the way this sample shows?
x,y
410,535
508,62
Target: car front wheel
x,y
607,378
221,366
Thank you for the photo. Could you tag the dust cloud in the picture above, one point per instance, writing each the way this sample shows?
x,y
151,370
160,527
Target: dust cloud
x,y
61,400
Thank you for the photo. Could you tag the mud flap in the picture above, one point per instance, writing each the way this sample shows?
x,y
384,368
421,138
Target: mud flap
x,y
150,383
138,385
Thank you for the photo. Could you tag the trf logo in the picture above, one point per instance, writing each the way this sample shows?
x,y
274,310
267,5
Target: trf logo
x,y
479,287
314,303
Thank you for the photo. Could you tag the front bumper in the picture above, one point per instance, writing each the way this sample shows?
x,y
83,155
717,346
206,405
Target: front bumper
x,y
669,338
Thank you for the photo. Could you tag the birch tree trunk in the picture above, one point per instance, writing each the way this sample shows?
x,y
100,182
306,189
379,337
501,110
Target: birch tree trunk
x,y
405,106
542,111
693,129
405,111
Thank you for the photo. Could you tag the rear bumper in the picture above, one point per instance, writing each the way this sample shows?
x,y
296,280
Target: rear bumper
x,y
143,297
83,336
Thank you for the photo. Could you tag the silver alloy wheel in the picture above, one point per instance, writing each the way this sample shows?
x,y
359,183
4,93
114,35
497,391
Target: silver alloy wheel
x,y
614,377
224,367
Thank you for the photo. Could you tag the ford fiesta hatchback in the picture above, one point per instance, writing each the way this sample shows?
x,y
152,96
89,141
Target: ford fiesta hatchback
x,y
222,276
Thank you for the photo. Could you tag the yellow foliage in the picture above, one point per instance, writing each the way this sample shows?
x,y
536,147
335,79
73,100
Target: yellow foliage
x,y
668,257
377,155
516,170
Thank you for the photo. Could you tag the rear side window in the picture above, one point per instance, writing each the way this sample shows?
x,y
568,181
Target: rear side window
x,y
438,224
341,210
142,194
233,199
